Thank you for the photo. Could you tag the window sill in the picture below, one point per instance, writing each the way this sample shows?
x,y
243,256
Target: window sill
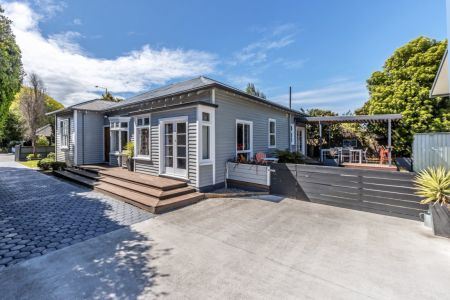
x,y
205,162
272,147
142,158
64,148
115,153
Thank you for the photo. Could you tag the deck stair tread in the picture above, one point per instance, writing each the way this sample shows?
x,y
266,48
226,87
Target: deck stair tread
x,y
74,177
122,192
83,173
148,190
154,181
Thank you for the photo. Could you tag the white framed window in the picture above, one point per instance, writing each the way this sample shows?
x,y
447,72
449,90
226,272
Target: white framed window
x,y
272,133
244,140
119,134
142,145
292,134
64,133
206,136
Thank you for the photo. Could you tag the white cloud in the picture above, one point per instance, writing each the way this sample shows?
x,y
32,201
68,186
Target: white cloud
x,y
77,22
338,95
50,7
70,75
273,38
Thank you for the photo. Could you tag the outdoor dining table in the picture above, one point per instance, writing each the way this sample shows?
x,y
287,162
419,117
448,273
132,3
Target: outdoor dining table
x,y
353,154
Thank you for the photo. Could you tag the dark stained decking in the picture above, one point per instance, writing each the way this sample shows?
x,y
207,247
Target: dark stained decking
x,y
152,193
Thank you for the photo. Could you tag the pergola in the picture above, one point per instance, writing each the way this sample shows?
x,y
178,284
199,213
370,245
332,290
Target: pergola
x,y
386,118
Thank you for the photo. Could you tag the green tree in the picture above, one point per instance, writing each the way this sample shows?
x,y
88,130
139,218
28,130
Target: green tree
x,y
109,97
11,72
327,130
403,86
252,90
12,129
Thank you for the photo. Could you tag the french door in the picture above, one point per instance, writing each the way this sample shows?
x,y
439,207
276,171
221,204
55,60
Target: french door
x,y
175,148
301,140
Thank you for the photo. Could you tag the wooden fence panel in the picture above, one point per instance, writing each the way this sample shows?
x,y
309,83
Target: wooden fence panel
x,y
384,192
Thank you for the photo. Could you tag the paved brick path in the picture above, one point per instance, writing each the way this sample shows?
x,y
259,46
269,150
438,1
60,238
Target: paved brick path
x,y
40,214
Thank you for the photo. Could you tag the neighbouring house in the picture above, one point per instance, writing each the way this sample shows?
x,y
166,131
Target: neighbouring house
x,y
440,86
186,130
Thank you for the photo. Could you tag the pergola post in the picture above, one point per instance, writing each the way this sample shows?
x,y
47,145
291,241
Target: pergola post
x,y
320,135
389,143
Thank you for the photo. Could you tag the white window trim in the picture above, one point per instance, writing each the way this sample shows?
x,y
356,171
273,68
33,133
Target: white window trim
x,y
137,139
112,129
250,151
209,123
274,134
161,124
292,134
65,125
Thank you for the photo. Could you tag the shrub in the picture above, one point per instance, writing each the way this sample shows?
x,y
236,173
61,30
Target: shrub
x,y
51,155
58,165
129,150
45,164
42,141
32,156
286,156
434,185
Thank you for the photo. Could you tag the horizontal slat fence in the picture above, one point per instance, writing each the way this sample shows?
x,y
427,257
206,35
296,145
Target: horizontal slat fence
x,y
384,192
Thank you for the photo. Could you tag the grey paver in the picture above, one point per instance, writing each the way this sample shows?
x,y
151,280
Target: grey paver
x,y
40,214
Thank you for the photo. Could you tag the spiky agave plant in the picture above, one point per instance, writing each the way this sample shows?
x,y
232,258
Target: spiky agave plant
x,y
434,185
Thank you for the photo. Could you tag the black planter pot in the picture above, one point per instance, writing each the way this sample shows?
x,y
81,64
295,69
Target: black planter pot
x,y
441,220
130,164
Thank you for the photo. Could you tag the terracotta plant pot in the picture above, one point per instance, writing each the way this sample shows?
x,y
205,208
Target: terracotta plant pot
x,y
441,220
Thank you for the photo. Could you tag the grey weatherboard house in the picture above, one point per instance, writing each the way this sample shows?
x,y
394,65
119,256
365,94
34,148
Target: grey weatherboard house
x,y
186,130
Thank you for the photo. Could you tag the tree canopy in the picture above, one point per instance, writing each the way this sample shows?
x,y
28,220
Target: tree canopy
x,y
403,86
252,90
11,72
109,97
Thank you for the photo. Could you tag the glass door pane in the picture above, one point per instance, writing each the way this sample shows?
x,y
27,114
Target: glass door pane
x,y
181,145
168,145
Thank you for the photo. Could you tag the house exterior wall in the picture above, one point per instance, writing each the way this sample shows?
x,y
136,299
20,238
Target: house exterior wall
x,y
233,107
65,155
152,166
90,137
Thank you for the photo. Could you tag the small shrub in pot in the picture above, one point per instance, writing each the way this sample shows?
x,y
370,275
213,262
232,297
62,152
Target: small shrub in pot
x,y
433,184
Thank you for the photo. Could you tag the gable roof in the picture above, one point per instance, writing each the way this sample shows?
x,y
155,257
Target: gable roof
x,y
193,85
441,84
91,105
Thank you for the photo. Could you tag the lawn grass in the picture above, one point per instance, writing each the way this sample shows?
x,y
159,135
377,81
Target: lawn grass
x,y
30,163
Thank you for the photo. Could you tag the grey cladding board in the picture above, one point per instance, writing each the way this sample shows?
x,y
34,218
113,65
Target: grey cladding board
x,y
232,107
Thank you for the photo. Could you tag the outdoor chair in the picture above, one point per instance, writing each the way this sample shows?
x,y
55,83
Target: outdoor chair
x,y
260,157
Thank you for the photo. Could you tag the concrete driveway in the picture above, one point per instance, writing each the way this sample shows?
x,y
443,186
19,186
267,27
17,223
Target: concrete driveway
x,y
245,249
40,214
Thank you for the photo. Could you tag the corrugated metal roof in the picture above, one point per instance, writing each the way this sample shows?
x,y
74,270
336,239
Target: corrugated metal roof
x,y
91,105
352,119
190,86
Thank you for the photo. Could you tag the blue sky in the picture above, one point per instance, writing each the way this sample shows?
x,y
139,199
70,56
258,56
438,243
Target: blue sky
x,y
324,49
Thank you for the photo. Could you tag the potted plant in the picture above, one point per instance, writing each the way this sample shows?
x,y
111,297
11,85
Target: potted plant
x,y
128,154
434,185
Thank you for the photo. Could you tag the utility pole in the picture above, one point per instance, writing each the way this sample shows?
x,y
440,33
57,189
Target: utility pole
x,y
290,125
101,87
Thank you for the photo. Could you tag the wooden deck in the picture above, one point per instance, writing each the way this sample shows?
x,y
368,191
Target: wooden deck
x,y
369,166
152,193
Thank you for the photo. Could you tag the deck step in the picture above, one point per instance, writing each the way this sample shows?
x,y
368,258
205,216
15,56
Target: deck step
x,y
147,190
83,173
146,200
177,202
76,178
151,181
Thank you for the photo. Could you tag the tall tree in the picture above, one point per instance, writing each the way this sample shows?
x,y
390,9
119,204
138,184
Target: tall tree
x,y
11,72
403,86
32,107
12,129
252,90
109,97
